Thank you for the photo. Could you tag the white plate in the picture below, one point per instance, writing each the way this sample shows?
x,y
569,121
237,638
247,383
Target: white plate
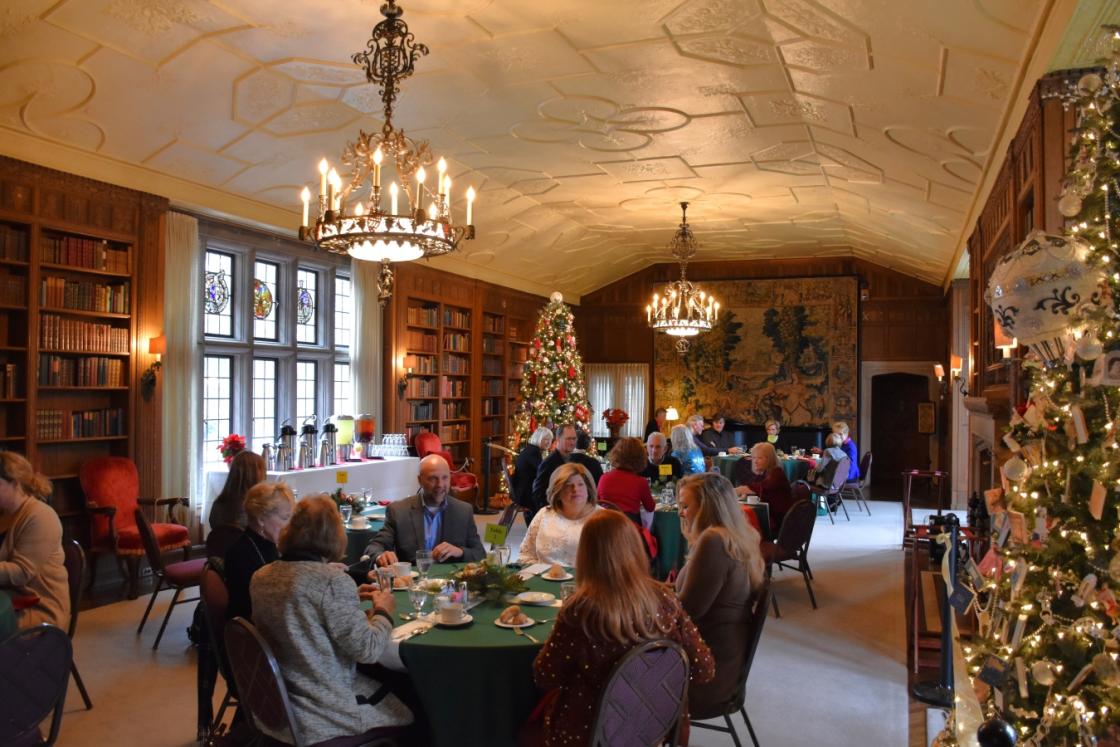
x,y
433,618
538,598
565,577
510,626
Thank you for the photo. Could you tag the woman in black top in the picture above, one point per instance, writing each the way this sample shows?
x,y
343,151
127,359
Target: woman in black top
x,y
656,423
526,465
269,506
246,470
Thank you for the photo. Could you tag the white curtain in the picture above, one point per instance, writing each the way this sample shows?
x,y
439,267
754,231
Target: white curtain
x,y
621,385
180,376
365,347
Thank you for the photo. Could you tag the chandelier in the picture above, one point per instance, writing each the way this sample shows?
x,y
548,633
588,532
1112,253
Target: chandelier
x,y
682,309
404,229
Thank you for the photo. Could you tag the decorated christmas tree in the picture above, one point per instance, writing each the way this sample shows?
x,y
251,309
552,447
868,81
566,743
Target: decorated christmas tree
x,y
1045,659
552,388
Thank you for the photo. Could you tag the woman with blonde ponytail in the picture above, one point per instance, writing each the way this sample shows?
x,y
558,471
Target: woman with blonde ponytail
x,y
31,559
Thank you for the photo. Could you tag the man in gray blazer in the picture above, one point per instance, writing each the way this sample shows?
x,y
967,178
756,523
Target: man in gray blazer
x,y
430,520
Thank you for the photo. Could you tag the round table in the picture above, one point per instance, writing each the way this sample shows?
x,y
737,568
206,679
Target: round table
x,y
476,682
8,622
795,469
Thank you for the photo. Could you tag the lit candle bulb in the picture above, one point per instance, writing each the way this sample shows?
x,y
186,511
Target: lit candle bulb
x,y
421,175
377,157
432,210
358,211
393,190
305,195
323,166
470,205
442,168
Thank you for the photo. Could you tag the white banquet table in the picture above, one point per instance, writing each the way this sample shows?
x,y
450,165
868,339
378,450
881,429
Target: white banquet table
x,y
389,478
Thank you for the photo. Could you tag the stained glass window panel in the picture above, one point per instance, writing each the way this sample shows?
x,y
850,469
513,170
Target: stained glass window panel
x,y
343,390
305,390
307,303
217,404
343,311
264,402
217,300
265,281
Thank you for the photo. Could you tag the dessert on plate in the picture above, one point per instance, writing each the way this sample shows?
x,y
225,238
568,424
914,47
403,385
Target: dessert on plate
x,y
512,615
556,571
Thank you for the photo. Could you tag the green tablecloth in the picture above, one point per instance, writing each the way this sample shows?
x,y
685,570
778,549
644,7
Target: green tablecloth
x,y
8,623
476,682
357,540
795,469
670,543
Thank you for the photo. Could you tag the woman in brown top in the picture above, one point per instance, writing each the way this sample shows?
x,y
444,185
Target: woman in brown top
x,y
31,559
724,566
616,606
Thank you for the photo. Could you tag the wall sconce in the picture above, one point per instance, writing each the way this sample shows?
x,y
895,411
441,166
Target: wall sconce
x,y
1003,342
157,346
956,366
402,382
939,372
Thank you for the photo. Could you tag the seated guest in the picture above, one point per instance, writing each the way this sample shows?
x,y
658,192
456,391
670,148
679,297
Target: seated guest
x,y
553,535
718,438
685,451
656,424
724,567
623,486
850,448
268,506
246,470
616,606
31,560
773,485
825,471
562,447
429,520
525,468
695,425
657,450
582,455
308,611
773,428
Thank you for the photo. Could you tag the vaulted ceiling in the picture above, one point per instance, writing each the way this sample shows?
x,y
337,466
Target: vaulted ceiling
x,y
794,127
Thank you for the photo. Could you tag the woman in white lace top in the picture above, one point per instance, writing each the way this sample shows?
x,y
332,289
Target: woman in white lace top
x,y
553,535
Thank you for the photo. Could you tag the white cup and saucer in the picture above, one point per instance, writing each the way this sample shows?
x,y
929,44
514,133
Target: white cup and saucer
x,y
359,522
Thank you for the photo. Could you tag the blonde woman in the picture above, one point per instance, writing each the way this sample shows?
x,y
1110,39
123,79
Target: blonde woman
x,y
771,484
268,506
31,559
553,535
685,451
849,447
724,567
616,606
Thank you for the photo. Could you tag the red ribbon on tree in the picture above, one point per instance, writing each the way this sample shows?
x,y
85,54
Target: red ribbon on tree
x,y
561,395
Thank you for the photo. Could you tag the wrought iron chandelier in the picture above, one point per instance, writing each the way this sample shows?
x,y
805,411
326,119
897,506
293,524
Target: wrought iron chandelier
x,y
682,309
371,230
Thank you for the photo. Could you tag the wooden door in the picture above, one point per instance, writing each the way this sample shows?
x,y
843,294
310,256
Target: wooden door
x,y
895,439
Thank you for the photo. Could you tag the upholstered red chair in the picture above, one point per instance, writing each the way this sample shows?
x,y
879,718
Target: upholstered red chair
x,y
112,489
464,485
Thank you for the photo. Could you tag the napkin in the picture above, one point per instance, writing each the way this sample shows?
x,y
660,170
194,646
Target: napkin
x,y
404,631
533,570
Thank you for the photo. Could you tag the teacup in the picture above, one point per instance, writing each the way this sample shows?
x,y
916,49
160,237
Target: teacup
x,y
359,522
723,453
752,499
402,568
450,613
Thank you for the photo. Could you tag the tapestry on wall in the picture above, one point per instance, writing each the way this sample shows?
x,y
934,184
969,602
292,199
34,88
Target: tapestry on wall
x,y
783,349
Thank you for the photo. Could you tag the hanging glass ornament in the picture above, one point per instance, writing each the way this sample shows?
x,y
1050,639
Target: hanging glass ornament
x,y
1070,204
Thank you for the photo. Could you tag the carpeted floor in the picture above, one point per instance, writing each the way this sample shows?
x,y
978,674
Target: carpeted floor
x,y
834,676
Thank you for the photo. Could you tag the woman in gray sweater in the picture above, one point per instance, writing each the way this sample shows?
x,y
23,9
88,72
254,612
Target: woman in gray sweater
x,y
308,611
724,567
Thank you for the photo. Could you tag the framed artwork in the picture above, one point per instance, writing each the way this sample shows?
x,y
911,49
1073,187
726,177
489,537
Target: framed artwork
x,y
1110,373
927,418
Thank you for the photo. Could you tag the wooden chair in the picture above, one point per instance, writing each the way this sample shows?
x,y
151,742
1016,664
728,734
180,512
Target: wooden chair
x,y
855,488
178,576
792,546
112,490
75,562
760,604
34,673
644,698
261,690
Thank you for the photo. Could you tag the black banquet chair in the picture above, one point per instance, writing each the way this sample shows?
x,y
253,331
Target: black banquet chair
x,y
75,562
34,675
791,550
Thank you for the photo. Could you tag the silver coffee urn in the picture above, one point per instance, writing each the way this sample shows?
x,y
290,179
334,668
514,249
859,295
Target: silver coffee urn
x,y
286,451
328,446
307,443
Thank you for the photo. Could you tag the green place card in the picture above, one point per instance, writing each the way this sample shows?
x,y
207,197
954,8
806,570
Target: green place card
x,y
341,477
601,445
495,534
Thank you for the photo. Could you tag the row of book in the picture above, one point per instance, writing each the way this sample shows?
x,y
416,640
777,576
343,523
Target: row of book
x,y
491,407
420,341
457,342
54,370
456,318
54,425
492,386
452,387
421,411
13,290
9,377
60,333
84,295
421,388
493,324
424,316
492,366
449,433
453,364
453,411
92,254
492,345
13,243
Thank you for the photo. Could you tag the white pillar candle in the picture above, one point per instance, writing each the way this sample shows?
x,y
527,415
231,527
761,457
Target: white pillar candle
x,y
393,190
323,167
305,195
377,157
421,175
470,206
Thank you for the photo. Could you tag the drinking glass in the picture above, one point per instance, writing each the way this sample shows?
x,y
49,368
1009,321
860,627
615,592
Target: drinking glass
x,y
346,510
385,578
567,589
423,562
504,552
418,596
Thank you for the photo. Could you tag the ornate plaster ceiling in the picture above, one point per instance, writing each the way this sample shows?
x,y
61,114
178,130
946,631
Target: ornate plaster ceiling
x,y
794,127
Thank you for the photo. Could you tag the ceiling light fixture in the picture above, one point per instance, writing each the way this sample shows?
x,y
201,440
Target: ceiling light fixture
x,y
373,231
682,310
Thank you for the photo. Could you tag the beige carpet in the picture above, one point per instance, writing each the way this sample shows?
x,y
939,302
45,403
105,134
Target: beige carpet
x,y
834,676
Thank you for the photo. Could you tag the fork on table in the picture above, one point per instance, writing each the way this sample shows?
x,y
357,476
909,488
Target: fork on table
x,y
522,633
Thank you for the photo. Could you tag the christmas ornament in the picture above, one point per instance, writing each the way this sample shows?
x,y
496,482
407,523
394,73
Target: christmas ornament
x,y
1015,469
561,395
571,372
1042,672
1089,348
1070,204
556,297
1090,83
1114,567
996,732
1038,289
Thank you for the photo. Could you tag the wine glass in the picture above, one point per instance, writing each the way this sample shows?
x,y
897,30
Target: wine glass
x,y
418,596
423,562
346,510
504,552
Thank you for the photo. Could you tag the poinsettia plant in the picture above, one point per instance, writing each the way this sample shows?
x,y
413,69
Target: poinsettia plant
x,y
615,417
231,446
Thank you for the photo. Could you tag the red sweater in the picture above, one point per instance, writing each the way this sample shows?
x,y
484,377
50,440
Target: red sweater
x,y
625,490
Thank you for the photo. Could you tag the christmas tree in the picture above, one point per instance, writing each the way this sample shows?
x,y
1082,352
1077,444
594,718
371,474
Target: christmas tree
x,y
553,391
1045,657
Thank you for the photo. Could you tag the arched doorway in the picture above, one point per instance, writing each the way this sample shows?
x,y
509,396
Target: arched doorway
x,y
895,438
